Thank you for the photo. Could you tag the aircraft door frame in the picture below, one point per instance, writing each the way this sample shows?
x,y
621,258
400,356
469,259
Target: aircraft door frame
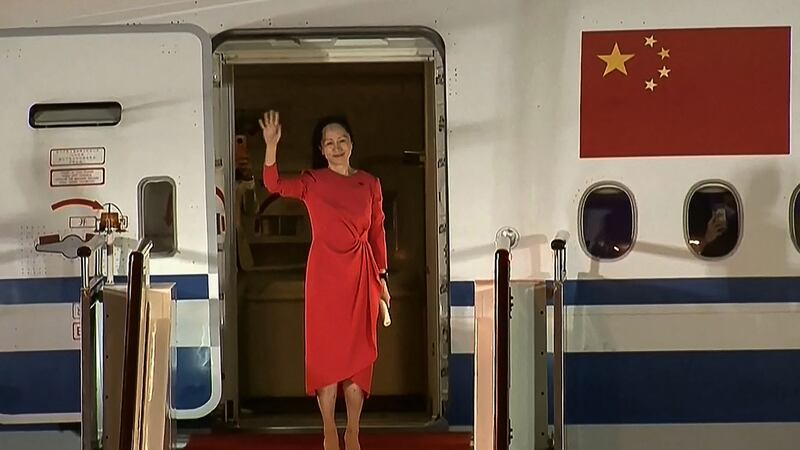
x,y
246,46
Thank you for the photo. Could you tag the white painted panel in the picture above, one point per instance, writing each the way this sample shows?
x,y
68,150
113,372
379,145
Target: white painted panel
x,y
513,131
161,80
736,326
462,329
50,326
44,326
730,326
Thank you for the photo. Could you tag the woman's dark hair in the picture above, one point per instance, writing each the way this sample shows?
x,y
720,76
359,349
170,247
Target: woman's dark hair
x,y
318,160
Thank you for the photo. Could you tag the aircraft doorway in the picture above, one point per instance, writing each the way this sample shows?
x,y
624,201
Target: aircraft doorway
x,y
392,110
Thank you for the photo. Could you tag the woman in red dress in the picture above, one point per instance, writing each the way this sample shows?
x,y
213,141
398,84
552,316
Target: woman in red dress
x,y
346,272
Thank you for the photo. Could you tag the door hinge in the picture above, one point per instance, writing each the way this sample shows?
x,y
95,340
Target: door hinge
x,y
216,78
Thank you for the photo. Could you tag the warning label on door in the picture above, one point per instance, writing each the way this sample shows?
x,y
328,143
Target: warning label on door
x,y
89,156
77,177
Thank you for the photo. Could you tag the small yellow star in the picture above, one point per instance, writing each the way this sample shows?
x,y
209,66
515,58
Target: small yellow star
x,y
664,53
649,41
650,84
664,72
615,61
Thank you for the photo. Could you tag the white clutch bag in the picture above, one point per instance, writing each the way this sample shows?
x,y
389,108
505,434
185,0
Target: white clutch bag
x,y
387,319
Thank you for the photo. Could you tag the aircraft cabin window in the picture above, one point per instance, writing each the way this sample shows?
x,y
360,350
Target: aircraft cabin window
x,y
157,215
92,114
713,219
607,221
794,218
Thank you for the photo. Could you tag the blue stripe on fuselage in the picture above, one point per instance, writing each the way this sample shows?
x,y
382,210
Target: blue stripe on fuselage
x,y
682,291
662,291
67,290
681,387
49,381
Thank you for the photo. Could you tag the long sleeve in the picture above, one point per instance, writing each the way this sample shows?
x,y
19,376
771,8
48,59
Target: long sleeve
x,y
286,187
377,232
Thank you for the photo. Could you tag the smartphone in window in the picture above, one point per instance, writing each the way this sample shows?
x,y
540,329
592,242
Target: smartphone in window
x,y
720,217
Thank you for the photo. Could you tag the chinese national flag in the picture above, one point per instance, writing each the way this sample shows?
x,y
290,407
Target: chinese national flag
x,y
690,92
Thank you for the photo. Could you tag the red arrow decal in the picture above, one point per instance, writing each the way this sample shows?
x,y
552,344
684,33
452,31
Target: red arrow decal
x,y
94,204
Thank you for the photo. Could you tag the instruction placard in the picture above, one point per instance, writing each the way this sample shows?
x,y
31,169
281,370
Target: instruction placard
x,y
77,177
83,222
76,321
84,156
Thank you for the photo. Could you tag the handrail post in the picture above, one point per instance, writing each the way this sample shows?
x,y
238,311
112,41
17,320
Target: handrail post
x,y
90,427
88,381
559,247
93,277
110,260
98,263
138,281
505,240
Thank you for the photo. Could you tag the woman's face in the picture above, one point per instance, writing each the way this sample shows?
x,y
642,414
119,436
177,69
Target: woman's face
x,y
336,145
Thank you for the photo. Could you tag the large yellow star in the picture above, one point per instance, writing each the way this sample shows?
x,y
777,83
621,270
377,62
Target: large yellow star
x,y
615,60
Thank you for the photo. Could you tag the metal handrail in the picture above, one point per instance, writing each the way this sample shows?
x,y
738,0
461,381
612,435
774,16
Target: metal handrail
x,y
559,247
143,246
502,295
505,240
91,286
137,283
85,253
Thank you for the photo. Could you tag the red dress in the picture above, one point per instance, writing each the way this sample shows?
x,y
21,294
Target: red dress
x,y
342,286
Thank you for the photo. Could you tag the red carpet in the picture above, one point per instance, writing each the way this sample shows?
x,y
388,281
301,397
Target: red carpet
x,y
374,441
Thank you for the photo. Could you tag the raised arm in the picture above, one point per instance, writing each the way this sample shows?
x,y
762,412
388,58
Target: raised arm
x,y
285,187
377,232
296,187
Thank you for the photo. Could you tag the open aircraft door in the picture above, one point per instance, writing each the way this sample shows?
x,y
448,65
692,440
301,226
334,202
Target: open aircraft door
x,y
104,120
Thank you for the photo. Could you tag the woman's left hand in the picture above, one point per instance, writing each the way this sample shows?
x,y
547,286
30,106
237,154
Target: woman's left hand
x,y
385,293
